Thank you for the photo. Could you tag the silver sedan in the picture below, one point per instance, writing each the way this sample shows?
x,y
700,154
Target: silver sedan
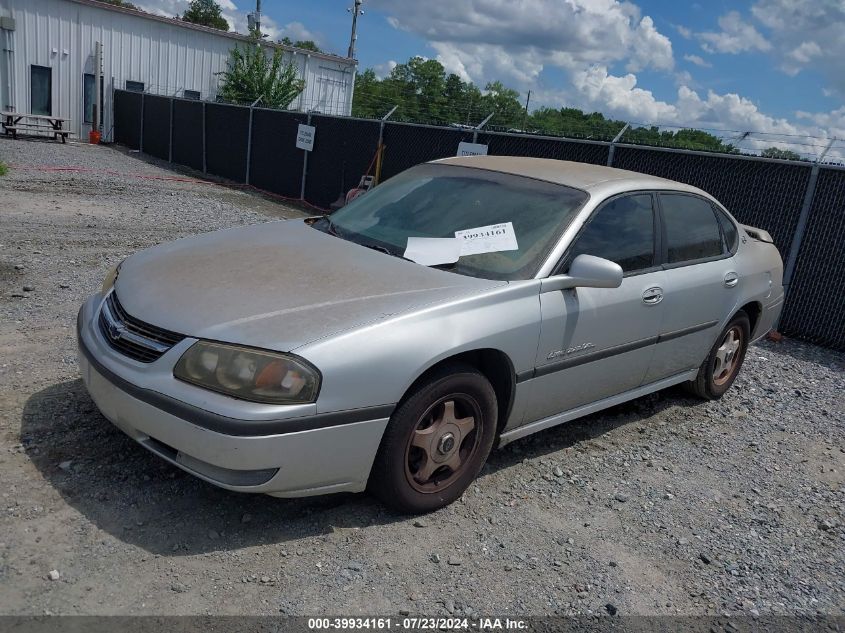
x,y
463,304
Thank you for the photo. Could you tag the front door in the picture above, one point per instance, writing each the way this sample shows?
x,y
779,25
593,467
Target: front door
x,y
598,342
40,90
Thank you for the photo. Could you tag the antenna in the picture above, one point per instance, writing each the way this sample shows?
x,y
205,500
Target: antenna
x,y
356,11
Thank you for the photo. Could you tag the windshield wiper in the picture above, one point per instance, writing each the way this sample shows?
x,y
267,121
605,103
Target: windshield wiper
x,y
387,251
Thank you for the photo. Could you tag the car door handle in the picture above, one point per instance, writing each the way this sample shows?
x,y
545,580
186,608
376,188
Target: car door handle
x,y
653,296
731,280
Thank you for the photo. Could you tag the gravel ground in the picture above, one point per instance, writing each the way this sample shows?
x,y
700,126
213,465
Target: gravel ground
x,y
666,505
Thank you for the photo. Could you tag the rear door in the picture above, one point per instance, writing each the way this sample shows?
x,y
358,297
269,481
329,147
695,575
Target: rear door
x,y
701,283
597,342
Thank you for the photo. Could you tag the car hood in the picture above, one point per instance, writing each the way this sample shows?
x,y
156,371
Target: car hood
x,y
277,285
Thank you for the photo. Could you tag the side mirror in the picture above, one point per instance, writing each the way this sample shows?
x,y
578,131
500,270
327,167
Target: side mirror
x,y
586,271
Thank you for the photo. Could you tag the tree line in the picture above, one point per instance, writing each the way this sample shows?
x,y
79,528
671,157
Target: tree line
x,y
425,93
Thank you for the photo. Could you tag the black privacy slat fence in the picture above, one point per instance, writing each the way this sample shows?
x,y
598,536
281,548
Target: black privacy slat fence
x,y
800,204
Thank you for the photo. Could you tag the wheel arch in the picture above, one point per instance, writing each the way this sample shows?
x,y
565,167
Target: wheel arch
x,y
753,309
494,364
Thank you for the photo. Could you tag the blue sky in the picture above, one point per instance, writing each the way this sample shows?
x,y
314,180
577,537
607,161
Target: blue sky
x,y
776,67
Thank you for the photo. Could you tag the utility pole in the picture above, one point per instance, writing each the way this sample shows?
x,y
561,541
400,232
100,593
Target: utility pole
x,y
356,11
525,116
254,21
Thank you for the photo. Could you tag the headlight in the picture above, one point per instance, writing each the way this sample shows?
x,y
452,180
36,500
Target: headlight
x,y
108,282
249,374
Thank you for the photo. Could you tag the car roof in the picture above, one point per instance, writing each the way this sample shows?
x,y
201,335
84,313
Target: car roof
x,y
586,176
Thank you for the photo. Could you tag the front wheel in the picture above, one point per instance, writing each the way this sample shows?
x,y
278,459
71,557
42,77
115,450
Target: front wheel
x,y
437,441
720,368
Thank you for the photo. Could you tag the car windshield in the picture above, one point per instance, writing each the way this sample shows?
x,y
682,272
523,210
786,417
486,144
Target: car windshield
x,y
436,201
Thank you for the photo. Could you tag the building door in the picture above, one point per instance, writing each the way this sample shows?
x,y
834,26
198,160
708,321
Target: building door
x,y
41,90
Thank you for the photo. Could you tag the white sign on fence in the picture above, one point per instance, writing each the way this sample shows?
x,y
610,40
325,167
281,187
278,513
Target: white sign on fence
x,y
305,137
472,149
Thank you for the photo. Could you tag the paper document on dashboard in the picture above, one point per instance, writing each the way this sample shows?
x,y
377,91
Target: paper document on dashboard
x,y
488,239
431,251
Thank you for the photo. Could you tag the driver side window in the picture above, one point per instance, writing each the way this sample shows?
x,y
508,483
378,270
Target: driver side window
x,y
621,231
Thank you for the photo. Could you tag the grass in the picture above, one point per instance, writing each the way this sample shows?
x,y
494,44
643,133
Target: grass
x,y
4,169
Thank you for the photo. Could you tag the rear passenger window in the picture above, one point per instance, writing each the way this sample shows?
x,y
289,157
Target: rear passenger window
x,y
621,231
729,229
692,231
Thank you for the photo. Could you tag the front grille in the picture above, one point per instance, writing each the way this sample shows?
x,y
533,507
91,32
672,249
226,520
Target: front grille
x,y
130,336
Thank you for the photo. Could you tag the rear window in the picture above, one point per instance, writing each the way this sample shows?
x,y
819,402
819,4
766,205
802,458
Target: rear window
x,y
692,231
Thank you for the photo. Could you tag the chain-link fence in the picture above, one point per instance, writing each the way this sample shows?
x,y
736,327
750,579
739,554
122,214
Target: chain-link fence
x,y
800,203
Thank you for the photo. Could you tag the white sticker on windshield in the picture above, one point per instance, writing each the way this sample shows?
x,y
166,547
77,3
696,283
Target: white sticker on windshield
x,y
432,251
488,239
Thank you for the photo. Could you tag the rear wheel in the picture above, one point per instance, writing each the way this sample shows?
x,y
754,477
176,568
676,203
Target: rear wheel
x,y
437,441
720,368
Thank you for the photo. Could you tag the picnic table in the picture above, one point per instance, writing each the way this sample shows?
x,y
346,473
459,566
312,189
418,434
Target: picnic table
x,y
14,121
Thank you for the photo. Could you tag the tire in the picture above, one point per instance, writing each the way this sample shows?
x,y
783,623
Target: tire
x,y
430,452
719,370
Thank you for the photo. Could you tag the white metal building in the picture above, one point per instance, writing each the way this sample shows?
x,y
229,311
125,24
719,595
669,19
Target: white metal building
x,y
48,52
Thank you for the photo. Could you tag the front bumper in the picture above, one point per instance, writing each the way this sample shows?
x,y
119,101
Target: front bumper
x,y
301,456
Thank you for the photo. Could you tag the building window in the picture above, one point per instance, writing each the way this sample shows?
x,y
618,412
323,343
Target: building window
x,y
41,90
192,94
135,86
89,97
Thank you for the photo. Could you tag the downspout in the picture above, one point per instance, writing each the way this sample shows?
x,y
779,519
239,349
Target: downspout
x,y
9,67
98,105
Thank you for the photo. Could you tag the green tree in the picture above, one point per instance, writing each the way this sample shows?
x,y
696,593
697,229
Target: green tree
x,y
504,104
206,13
251,73
308,45
121,3
785,154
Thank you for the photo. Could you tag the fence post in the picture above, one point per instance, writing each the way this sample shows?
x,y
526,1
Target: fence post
x,y
612,150
204,162
795,247
304,168
380,145
141,138
170,147
249,140
481,125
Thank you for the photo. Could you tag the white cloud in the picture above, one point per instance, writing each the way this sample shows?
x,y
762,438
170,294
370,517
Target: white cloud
x,y
383,70
808,34
683,31
698,61
621,98
736,36
515,41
